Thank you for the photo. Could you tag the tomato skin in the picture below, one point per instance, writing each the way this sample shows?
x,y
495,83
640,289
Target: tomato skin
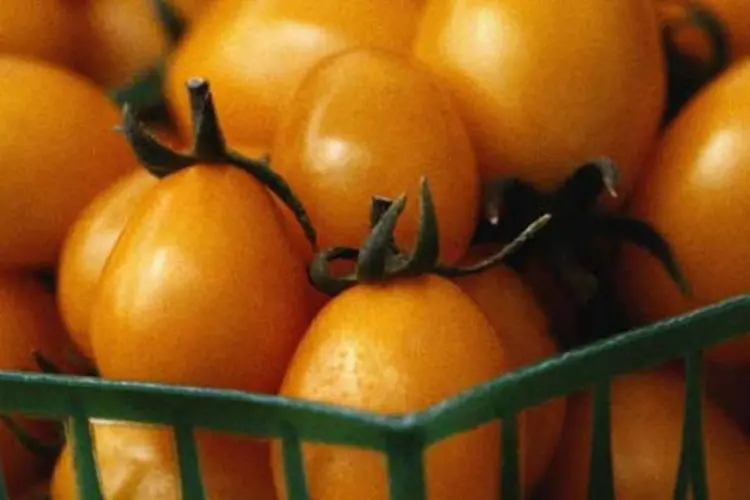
x,y
256,53
647,415
540,121
28,322
125,39
87,247
511,308
40,30
391,348
59,128
203,287
352,132
138,462
695,195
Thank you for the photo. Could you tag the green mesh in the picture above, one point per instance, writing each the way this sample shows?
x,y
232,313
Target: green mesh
x,y
402,439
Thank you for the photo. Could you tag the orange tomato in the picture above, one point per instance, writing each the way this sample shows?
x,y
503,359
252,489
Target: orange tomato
x,y
41,30
352,132
732,14
58,149
255,53
511,308
695,195
647,415
28,323
139,462
541,90
735,14
124,40
203,287
190,9
392,348
87,247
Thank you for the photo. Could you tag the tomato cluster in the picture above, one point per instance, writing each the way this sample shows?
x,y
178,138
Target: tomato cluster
x,y
375,205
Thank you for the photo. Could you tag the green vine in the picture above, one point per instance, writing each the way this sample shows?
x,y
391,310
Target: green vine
x,y
208,148
379,258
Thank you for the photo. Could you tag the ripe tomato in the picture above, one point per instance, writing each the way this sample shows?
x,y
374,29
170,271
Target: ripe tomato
x,y
124,39
647,416
87,247
255,53
138,462
353,132
40,30
190,9
511,308
695,195
541,88
28,323
735,14
392,348
58,150
203,287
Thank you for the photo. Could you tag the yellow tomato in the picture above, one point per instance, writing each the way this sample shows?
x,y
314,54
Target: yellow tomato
x,y
87,248
123,39
546,86
58,150
256,53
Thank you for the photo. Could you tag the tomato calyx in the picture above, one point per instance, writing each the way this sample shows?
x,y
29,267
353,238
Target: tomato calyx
x,y
380,259
687,72
580,244
208,148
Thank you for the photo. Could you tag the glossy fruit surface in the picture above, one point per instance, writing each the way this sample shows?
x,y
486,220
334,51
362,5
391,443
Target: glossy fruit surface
x,y
647,415
28,323
137,462
87,247
256,53
357,128
544,87
392,348
511,308
59,149
695,195
123,40
203,287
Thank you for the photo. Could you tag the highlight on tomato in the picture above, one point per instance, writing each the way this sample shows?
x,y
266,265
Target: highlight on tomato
x,y
367,123
398,337
255,53
695,194
204,274
87,247
59,149
541,90
646,437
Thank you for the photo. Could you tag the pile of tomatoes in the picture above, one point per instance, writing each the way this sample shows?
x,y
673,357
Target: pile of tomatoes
x,y
326,204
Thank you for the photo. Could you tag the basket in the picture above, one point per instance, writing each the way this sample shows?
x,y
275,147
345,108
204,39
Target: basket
x,y
402,439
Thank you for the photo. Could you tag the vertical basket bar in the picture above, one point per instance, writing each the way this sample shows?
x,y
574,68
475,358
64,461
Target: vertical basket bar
x,y
692,469
601,482
191,483
405,456
294,467
87,477
510,468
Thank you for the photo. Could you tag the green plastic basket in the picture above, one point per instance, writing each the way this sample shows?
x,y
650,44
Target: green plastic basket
x,y
402,439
